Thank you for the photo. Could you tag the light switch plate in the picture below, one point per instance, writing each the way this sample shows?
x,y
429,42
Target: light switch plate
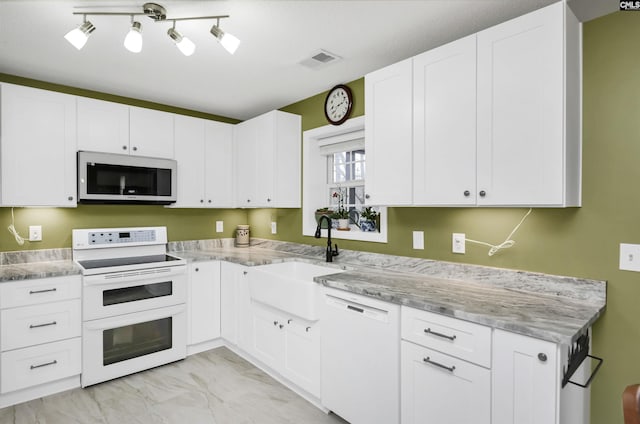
x,y
219,226
418,240
274,228
630,257
458,244
35,232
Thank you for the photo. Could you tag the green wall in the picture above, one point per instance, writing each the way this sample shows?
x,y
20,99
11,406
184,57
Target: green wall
x,y
581,242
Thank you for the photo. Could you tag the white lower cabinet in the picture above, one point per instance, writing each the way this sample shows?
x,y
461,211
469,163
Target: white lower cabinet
x,y
204,302
40,340
234,305
287,344
440,389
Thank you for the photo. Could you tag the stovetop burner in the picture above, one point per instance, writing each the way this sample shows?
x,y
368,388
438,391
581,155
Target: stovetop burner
x,y
134,260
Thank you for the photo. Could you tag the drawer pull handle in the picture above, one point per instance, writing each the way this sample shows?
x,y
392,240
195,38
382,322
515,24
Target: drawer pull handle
x,y
353,308
46,364
435,333
46,324
42,291
437,364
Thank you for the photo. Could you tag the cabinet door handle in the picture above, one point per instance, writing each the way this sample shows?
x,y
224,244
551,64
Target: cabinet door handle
x,y
42,291
124,147
197,269
245,272
289,321
209,200
135,149
483,193
281,326
46,364
467,193
353,308
268,199
435,333
366,196
201,200
437,364
542,357
275,322
70,198
307,329
46,324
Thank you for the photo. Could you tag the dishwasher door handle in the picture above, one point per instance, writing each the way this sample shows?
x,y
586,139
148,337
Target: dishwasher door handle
x,y
355,308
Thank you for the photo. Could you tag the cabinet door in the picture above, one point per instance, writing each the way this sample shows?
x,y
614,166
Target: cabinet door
x,y
438,388
103,126
520,110
38,151
388,138
190,138
444,123
267,335
151,133
235,304
245,164
525,380
287,169
265,133
204,301
218,154
301,362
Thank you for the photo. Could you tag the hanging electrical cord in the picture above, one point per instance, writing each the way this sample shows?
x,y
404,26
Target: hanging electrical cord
x,y
507,243
12,230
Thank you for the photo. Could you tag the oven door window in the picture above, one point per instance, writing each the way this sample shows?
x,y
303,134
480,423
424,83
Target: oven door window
x,y
132,341
135,293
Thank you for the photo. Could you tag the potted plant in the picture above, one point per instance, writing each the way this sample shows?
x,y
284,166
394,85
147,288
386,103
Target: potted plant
x,y
369,218
323,211
341,214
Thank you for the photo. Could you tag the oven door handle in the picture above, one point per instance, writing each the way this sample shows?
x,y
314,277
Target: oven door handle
x,y
129,319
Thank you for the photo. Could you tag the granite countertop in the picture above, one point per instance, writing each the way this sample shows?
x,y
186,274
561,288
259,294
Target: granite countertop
x,y
553,308
549,307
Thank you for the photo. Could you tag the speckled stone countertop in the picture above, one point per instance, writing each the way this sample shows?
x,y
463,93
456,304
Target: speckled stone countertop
x,y
31,264
548,307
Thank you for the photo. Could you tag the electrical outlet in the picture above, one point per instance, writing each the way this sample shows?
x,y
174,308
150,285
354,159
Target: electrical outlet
x,y
458,243
418,240
630,257
219,226
35,233
274,228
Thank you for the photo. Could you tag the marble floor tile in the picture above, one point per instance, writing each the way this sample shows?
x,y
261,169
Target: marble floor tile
x,y
214,387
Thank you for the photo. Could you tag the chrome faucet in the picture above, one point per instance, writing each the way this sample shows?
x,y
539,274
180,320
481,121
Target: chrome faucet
x,y
330,252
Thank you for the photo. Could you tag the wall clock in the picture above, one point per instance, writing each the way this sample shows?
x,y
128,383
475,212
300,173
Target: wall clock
x,y
337,106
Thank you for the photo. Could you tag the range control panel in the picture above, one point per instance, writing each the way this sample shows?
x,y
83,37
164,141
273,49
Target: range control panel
x,y
118,237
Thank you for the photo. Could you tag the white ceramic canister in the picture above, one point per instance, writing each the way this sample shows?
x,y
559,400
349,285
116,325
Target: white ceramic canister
x,y
242,236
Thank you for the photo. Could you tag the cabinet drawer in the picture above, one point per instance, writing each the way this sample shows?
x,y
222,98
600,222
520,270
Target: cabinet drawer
x,y
32,292
438,388
462,339
35,365
38,324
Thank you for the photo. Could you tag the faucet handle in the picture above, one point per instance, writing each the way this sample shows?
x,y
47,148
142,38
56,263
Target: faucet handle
x,y
335,251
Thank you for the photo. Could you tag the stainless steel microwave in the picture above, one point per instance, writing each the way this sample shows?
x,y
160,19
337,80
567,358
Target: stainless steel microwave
x,y
113,178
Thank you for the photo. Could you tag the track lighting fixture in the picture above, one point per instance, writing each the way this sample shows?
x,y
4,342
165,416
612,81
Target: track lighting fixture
x,y
133,41
78,36
228,41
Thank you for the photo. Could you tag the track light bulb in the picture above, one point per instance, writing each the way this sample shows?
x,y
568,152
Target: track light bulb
x,y
185,45
78,37
133,40
228,41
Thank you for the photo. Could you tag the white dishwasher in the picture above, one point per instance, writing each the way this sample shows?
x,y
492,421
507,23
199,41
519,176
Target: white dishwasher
x,y
360,358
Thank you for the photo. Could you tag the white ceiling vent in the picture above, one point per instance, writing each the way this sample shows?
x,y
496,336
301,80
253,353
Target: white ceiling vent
x,y
320,59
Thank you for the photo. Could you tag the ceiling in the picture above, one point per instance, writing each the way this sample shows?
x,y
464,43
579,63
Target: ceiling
x,y
264,73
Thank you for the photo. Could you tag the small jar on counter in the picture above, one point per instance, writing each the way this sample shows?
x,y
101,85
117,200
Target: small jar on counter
x,y
242,236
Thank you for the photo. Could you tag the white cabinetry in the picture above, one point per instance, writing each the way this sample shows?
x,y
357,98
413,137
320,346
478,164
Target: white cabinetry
x,y
287,344
38,150
529,110
445,364
118,128
204,302
444,125
235,305
103,126
39,337
388,139
267,161
204,152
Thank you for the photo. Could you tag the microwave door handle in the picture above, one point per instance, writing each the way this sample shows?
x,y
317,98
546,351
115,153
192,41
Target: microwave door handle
x,y
123,184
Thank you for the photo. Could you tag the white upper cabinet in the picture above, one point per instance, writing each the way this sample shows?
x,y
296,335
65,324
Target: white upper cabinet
x,y
103,126
267,161
388,138
117,128
203,150
38,150
150,133
528,110
444,125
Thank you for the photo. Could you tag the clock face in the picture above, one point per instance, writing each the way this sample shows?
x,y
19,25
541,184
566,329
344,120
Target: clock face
x,y
337,106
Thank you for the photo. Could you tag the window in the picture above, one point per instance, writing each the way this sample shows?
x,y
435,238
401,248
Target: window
x,y
334,175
